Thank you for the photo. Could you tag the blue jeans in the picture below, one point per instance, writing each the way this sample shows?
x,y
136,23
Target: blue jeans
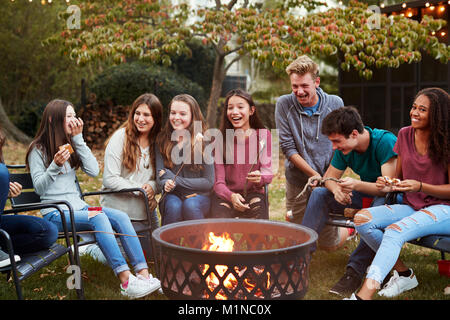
x,y
110,220
4,186
389,227
178,208
28,233
321,203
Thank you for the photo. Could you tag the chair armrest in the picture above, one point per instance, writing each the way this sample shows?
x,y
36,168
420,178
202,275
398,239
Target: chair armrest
x,y
127,190
16,166
35,206
53,204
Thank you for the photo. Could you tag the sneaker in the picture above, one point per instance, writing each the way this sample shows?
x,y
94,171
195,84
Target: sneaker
x,y
398,284
352,297
136,288
154,283
348,284
81,249
4,259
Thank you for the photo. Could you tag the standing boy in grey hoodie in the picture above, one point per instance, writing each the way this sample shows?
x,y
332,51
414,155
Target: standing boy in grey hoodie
x,y
308,152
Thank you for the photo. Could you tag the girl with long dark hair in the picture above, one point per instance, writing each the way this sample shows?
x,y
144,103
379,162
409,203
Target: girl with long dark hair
x,y
243,162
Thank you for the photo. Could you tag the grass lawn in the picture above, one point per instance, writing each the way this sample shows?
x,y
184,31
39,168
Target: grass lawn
x,y
325,270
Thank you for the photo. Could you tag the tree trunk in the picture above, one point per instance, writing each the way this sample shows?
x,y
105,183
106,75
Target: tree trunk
x,y
216,89
10,130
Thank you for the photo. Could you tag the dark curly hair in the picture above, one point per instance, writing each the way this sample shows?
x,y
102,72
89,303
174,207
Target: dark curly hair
x,y
439,148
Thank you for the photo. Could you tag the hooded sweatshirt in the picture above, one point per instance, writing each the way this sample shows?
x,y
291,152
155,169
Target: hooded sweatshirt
x,y
301,134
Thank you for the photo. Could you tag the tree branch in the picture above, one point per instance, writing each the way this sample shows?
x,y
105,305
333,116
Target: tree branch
x,y
237,58
235,49
231,4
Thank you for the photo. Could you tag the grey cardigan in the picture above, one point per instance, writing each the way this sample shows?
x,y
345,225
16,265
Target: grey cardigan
x,y
188,181
117,177
301,134
58,183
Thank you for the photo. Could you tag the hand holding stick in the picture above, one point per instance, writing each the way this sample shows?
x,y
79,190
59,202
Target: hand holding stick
x,y
198,137
262,144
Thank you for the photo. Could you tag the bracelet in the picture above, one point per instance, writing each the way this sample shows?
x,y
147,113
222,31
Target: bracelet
x,y
420,189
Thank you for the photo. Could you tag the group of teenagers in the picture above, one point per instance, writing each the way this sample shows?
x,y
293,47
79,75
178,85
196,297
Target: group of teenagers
x,y
172,159
223,175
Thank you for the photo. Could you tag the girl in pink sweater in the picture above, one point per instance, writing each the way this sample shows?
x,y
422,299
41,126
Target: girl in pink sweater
x,y
243,164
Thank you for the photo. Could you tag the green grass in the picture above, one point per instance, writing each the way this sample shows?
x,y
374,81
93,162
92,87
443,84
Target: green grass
x,y
326,268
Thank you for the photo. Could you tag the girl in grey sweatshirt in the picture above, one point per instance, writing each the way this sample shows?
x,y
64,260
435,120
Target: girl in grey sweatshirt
x,y
186,182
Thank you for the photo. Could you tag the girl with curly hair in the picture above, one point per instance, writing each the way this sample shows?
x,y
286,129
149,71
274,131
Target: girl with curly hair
x,y
423,170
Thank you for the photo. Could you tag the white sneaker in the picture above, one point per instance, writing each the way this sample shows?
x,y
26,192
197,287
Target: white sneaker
x,y
398,284
136,288
352,297
81,249
5,260
154,283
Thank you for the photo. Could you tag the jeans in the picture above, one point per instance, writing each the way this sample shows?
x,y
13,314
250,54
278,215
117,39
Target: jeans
x,y
4,186
110,220
176,209
95,252
321,203
389,227
28,233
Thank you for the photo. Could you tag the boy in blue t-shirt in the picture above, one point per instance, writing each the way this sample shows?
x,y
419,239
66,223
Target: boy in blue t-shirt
x,y
369,153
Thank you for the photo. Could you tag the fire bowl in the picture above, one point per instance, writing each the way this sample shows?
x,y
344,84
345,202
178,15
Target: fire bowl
x,y
266,260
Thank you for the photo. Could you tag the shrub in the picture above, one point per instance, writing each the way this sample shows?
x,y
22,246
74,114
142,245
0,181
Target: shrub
x,y
198,67
30,117
122,84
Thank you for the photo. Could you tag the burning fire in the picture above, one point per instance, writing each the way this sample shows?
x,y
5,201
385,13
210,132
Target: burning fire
x,y
225,244
219,243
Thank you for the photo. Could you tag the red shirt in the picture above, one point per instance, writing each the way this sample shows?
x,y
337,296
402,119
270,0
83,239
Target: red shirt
x,y
231,172
419,167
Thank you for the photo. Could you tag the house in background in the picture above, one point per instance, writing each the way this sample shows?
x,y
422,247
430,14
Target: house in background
x,y
385,100
237,75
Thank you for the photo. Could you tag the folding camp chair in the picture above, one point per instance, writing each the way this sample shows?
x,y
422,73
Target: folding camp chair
x,y
29,264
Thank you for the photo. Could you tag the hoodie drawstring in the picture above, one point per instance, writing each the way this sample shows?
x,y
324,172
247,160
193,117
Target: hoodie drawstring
x,y
301,124
318,125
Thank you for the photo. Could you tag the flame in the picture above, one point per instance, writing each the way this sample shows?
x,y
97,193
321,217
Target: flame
x,y
224,243
219,243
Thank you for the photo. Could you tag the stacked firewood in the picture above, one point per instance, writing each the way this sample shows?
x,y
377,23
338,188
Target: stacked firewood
x,y
100,122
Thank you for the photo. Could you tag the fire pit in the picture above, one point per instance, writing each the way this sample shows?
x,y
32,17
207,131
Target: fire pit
x,y
233,259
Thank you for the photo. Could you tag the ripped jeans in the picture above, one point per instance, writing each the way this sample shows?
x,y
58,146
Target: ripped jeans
x,y
386,228
109,221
